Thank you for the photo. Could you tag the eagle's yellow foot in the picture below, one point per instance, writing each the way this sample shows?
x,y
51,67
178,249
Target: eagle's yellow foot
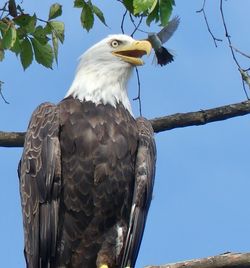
x,y
103,266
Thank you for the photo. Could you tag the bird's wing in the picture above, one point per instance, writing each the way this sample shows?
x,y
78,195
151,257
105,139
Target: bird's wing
x,y
144,182
166,33
40,180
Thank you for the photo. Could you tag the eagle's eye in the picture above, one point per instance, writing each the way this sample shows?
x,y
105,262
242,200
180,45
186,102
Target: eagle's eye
x,y
115,43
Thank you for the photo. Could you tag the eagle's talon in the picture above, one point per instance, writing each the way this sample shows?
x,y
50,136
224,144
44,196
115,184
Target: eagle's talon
x,y
103,266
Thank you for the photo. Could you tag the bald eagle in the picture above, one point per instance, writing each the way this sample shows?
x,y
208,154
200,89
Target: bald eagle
x,y
87,168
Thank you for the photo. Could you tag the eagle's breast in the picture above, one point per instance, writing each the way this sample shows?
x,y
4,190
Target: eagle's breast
x,y
98,151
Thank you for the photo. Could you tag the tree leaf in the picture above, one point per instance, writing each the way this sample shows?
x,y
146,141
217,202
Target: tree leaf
x,y
79,3
153,15
41,35
129,5
58,29
31,25
99,14
166,7
55,11
9,37
87,17
1,50
3,26
141,6
26,22
16,47
43,53
153,6
55,46
23,19
26,53
1,55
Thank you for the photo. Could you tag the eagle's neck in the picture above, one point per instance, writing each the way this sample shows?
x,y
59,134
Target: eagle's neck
x,y
101,85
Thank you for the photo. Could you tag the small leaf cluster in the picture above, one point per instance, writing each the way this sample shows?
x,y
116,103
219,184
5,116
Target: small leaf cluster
x,y
24,35
89,10
153,10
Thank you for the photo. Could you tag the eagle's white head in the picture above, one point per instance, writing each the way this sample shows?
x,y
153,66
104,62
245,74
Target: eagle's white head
x,y
105,68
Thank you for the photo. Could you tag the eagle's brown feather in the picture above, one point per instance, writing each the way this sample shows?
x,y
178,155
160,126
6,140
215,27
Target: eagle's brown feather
x,y
83,168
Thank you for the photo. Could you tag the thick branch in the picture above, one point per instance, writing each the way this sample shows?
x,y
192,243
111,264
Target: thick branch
x,y
227,260
11,139
16,139
200,117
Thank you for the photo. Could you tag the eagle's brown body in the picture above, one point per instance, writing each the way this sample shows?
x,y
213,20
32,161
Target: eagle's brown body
x,y
82,183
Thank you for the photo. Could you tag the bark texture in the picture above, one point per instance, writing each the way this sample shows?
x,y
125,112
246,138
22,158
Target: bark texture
x,y
226,260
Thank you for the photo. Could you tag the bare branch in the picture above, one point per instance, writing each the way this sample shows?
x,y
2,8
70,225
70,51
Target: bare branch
x,y
200,117
226,260
139,90
202,10
1,93
240,52
136,26
227,34
123,19
11,139
16,139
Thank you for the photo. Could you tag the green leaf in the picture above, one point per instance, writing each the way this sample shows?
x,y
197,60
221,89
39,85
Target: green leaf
x,y
21,33
3,26
16,47
41,35
31,26
22,20
1,50
43,53
87,17
99,14
153,15
129,5
27,22
153,6
1,55
9,37
55,46
166,7
141,6
55,11
58,29
79,3
26,54
48,28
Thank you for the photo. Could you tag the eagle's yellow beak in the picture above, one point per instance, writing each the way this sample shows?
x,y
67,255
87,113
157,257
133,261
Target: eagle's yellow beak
x,y
133,52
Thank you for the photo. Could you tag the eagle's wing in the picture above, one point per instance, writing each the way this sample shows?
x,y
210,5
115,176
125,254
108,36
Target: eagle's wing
x,y
40,182
166,33
144,182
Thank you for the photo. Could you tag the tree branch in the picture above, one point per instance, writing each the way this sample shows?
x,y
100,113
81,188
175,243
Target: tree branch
x,y
200,117
16,139
11,139
227,260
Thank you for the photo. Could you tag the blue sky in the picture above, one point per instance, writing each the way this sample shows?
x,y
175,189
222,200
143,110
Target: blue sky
x,y
201,196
